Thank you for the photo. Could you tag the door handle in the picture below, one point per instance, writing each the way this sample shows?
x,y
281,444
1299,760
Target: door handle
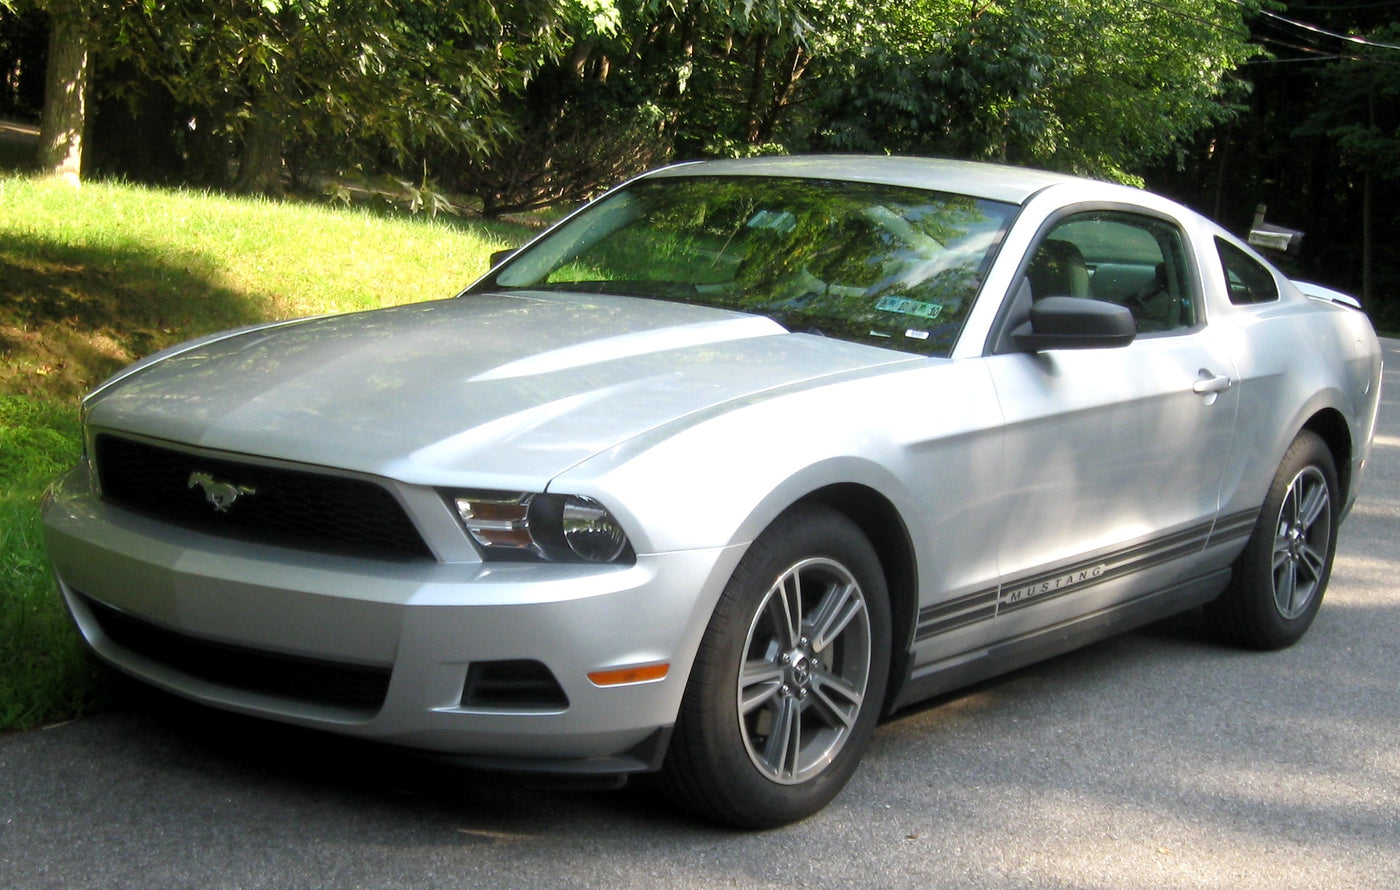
x,y
1211,385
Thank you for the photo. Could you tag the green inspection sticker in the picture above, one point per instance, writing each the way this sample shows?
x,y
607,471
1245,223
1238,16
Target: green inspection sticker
x,y
906,306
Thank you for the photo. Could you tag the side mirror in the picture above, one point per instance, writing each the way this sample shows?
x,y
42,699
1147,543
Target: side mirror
x,y
500,256
1075,323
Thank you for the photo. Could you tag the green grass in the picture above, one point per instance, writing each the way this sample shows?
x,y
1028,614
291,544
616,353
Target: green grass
x,y
45,675
94,278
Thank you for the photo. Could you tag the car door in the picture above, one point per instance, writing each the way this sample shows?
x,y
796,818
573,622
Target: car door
x,y
1113,456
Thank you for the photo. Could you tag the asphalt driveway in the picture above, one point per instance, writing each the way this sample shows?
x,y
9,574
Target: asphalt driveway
x,y
1155,759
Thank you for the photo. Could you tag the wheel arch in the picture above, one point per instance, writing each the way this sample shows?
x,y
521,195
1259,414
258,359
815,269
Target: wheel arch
x,y
882,524
1332,428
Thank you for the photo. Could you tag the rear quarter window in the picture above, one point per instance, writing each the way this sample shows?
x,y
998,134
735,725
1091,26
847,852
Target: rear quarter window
x,y
1247,280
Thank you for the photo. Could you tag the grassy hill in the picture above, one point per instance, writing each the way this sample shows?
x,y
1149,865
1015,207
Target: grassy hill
x,y
94,278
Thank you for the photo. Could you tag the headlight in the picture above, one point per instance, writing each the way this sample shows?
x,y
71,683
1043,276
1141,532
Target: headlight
x,y
558,528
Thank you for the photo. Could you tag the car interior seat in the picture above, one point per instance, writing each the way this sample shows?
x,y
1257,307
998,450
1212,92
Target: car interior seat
x,y
1058,270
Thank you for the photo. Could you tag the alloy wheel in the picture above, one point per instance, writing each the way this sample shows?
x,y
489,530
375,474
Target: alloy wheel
x,y
1301,542
806,666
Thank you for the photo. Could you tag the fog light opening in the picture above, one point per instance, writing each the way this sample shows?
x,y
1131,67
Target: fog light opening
x,y
515,685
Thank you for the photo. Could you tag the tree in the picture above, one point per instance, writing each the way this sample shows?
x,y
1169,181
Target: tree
x,y
1316,144
662,78
66,89
264,74
757,60
962,80
268,75
1097,87
1134,81
67,82
1361,117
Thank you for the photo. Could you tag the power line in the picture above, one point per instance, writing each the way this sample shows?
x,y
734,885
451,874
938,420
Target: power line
x,y
1314,29
1352,7
1312,54
1302,60
1317,30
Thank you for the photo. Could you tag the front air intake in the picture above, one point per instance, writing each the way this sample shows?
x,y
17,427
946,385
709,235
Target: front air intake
x,y
355,687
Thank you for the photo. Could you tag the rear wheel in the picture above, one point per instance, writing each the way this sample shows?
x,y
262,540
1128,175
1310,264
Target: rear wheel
x,y
1282,574
790,676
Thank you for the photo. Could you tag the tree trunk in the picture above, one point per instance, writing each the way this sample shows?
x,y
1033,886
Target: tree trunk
x,y
260,164
65,93
794,66
758,81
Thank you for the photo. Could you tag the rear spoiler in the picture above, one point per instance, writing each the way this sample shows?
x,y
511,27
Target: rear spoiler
x,y
1318,292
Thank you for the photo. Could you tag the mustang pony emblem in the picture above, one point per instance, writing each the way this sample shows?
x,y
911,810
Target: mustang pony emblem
x,y
220,494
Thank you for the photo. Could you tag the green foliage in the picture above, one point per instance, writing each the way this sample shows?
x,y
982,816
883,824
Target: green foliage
x,y
971,89
577,136
352,74
1317,146
1100,87
1362,114
1133,80
542,101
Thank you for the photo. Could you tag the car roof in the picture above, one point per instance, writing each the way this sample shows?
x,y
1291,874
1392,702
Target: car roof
x,y
996,182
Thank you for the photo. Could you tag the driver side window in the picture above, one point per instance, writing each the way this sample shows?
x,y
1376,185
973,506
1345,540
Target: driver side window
x,y
1133,261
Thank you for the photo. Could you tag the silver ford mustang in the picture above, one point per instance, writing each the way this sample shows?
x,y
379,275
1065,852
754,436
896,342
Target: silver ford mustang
x,y
722,468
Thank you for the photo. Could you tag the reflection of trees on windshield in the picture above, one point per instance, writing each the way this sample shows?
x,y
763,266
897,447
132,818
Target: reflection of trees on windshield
x,y
873,263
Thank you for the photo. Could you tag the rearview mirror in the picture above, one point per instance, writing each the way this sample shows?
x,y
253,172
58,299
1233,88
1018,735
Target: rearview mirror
x,y
1075,323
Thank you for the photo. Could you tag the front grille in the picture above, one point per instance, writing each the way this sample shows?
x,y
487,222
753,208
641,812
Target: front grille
x,y
272,505
352,686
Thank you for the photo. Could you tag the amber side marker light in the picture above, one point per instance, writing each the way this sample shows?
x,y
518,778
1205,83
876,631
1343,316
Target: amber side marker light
x,y
623,676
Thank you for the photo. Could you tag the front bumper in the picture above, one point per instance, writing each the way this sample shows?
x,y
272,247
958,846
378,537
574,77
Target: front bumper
x,y
129,580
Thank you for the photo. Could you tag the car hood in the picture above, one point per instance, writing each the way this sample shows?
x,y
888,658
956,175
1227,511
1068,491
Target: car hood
x,y
485,390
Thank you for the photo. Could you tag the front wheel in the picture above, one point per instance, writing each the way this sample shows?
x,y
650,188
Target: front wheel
x,y
1282,574
790,676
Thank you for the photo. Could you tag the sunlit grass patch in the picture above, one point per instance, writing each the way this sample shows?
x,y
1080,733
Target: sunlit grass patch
x,y
91,278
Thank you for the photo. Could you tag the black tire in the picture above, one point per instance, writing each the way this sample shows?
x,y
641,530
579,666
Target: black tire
x,y
812,691
1281,576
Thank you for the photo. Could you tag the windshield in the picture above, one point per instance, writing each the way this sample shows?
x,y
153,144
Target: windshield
x,y
898,267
